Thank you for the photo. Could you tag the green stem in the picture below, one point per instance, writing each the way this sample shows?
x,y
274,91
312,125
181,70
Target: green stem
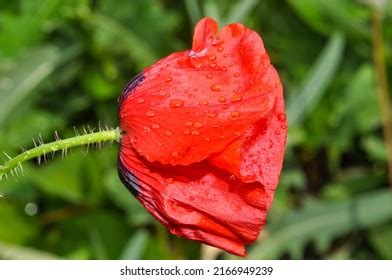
x,y
382,84
59,145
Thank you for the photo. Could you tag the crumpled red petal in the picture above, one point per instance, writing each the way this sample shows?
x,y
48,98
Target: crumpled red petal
x,y
203,137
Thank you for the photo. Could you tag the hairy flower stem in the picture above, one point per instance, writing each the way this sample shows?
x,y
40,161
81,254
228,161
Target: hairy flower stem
x,y
382,84
14,164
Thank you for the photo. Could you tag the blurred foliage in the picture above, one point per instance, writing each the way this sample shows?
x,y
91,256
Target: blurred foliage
x,y
64,63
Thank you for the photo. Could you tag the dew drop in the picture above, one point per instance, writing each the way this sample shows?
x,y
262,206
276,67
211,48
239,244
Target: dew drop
x,y
237,74
236,98
224,69
222,137
159,144
195,133
232,177
188,123
140,100
168,133
237,133
208,76
211,115
212,57
216,87
225,55
235,114
176,103
283,126
207,139
225,106
133,140
150,113
231,65
168,79
170,181
198,125
187,131
221,99
191,198
175,154
237,82
146,129
220,49
155,126
277,132
203,102
213,65
216,68
281,117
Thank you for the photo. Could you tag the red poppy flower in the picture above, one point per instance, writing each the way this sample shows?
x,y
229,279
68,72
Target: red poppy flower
x,y
203,135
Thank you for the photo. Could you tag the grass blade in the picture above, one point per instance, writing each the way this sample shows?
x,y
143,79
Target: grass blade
x,y
317,80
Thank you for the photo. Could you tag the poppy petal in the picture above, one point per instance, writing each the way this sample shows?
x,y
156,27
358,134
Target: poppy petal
x,y
257,155
197,201
191,105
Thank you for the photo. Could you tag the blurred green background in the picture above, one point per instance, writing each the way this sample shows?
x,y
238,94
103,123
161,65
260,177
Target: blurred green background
x,y
64,63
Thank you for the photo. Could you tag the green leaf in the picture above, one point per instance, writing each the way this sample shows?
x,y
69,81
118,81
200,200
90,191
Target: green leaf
x,y
381,238
321,221
193,9
317,80
240,11
136,246
12,252
26,74
15,226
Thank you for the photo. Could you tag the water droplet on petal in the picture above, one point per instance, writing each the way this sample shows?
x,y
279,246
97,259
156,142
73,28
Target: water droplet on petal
x,y
212,57
207,139
176,103
188,123
168,133
187,131
236,98
170,181
175,154
237,74
222,137
237,133
236,81
220,49
133,140
226,55
235,114
191,198
216,68
159,143
168,79
146,129
211,115
281,117
221,99
203,102
232,177
150,113
283,126
225,106
155,126
277,132
224,69
208,76
140,100
195,133
198,125
216,87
